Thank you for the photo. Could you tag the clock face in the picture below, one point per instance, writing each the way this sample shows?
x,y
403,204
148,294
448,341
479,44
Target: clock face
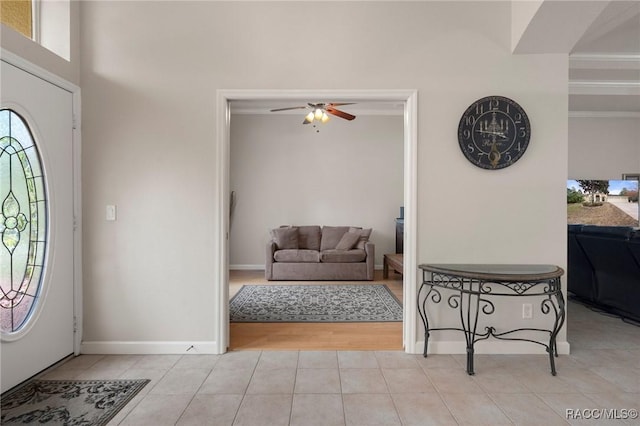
x,y
494,132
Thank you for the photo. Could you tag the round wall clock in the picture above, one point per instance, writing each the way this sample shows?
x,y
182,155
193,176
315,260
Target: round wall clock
x,y
494,132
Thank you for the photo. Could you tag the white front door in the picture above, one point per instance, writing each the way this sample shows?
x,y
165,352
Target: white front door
x,y
48,335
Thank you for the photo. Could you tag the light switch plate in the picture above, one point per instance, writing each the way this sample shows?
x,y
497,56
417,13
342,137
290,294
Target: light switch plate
x,y
111,212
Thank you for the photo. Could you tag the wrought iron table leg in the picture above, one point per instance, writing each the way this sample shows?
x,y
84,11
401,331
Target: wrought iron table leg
x,y
470,352
559,322
469,321
422,310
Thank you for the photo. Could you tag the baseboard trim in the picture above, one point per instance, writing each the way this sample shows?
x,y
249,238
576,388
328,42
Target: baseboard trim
x,y
148,348
261,267
489,347
246,267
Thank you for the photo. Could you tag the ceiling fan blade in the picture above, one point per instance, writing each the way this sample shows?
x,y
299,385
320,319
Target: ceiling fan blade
x,y
334,104
340,114
289,108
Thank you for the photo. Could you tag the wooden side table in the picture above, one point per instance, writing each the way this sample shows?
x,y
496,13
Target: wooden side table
x,y
395,261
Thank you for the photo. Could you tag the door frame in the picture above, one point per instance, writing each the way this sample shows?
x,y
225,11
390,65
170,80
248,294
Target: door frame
x,y
221,219
31,68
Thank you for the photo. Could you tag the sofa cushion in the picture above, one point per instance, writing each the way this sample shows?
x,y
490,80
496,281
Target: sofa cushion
x,y
285,238
348,240
364,236
297,256
331,236
309,237
342,256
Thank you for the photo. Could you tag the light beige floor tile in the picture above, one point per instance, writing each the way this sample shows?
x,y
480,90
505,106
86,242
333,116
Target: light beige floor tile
x,y
527,409
318,359
101,373
593,357
317,380
369,410
157,410
436,361
474,409
80,362
264,410
499,382
422,409
544,382
278,359
357,359
618,400
627,379
587,381
317,410
239,360
412,380
180,381
395,359
222,380
203,361
211,410
115,362
157,361
452,380
362,380
58,374
271,381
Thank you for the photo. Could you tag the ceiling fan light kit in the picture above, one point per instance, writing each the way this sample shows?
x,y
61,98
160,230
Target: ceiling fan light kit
x,y
321,112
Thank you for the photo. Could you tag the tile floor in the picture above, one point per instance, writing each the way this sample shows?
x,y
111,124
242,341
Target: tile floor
x,y
262,388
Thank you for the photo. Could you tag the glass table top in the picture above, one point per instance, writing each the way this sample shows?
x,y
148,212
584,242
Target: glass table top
x,y
496,271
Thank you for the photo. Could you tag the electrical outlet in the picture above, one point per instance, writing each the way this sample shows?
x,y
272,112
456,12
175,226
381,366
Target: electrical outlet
x,y
527,311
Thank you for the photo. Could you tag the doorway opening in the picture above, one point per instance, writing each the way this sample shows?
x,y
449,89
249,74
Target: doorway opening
x,y
408,98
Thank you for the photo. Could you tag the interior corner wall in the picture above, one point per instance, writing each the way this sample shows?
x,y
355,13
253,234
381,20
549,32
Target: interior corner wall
x,y
522,12
347,173
150,71
603,147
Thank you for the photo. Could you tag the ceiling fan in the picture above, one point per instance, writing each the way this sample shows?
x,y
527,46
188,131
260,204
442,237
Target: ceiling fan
x,y
320,111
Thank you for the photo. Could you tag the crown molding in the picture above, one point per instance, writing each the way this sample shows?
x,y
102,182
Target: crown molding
x,y
608,87
604,61
604,114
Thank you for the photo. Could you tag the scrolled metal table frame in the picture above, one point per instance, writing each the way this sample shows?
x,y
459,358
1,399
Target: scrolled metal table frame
x,y
472,285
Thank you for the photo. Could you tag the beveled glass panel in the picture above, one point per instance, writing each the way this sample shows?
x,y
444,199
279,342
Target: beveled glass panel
x,y
23,222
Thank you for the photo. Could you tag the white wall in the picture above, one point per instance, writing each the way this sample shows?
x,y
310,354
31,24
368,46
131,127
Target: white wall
x,y
603,147
283,172
150,71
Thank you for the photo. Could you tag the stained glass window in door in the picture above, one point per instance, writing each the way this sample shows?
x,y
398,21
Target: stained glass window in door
x,y
23,222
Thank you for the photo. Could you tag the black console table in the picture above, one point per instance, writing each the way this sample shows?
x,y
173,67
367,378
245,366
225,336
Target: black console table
x,y
471,288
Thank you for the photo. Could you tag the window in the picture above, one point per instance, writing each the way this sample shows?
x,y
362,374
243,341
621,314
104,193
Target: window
x,y
23,222
18,15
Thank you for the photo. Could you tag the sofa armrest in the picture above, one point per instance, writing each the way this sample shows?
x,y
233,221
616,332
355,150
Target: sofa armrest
x,y
370,250
268,265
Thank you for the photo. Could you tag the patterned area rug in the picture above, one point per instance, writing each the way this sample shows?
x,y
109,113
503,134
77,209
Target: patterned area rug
x,y
315,303
68,402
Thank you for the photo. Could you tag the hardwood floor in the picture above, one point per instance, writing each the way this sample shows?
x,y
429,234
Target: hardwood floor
x,y
315,336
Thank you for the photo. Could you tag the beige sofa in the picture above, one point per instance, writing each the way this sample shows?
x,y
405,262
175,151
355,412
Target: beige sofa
x,y
309,253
